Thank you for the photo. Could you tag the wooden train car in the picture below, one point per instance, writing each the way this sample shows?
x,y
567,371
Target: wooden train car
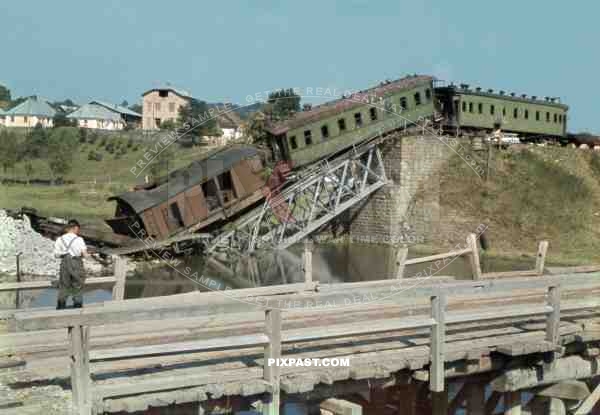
x,y
466,110
323,130
207,191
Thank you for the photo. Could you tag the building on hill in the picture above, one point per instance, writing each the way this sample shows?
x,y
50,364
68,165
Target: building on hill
x,y
29,113
105,116
162,104
230,125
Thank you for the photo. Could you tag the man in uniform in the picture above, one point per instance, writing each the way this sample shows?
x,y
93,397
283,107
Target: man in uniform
x,y
71,249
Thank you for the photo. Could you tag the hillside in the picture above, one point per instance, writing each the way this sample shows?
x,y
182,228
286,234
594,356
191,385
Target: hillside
x,y
533,193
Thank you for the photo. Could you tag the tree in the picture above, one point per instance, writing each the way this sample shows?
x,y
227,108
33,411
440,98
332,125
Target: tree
x,y
168,125
196,118
36,143
256,127
4,94
9,146
62,145
282,104
125,103
136,108
61,120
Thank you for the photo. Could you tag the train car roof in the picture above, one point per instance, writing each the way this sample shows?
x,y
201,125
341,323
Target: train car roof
x,y
180,180
343,104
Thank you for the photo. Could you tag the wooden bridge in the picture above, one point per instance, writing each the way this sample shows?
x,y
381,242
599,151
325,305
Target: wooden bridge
x,y
517,334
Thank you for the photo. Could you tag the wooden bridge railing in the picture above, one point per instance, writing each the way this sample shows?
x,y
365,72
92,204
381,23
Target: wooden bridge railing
x,y
79,322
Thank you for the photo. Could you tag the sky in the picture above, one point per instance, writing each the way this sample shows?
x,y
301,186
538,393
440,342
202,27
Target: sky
x,y
226,50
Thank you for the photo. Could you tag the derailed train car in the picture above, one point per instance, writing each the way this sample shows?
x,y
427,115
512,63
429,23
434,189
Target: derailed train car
x,y
207,191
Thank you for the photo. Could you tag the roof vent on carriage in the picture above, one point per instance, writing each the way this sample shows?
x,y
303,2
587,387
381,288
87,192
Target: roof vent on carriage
x,y
490,91
306,107
465,86
502,92
523,95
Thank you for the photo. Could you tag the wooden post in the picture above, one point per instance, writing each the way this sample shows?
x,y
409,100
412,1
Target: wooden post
x,y
308,247
512,403
474,256
541,257
401,255
475,398
437,342
118,292
553,320
439,403
272,351
80,369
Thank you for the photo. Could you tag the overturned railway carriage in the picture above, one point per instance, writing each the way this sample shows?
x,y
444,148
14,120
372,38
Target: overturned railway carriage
x,y
466,110
207,191
326,129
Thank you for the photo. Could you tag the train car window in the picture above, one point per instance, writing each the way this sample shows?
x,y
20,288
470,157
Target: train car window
x,y
358,119
480,108
470,107
324,131
464,106
307,137
516,113
342,124
504,112
428,94
526,114
417,98
559,119
537,115
403,104
293,142
373,113
492,109
547,117
555,116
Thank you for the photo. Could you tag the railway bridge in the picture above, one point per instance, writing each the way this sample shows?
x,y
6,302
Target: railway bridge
x,y
502,343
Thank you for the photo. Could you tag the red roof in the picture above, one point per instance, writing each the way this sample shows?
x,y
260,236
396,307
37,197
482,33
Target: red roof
x,y
343,104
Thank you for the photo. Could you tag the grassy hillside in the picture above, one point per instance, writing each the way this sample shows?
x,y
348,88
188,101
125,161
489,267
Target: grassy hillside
x,y
533,193
91,181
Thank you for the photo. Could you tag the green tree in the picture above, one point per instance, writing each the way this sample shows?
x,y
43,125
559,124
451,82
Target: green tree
x,y
61,120
168,125
256,126
4,93
9,147
197,119
136,108
282,104
62,145
36,143
125,103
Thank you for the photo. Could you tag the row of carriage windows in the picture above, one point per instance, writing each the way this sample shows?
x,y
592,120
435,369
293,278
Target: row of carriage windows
x,y
358,120
557,118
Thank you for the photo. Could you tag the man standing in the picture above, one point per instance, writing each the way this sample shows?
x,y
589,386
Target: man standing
x,y
71,249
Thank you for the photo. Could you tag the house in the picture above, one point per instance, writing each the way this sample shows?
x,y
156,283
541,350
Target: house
x,y
32,111
104,116
162,104
229,123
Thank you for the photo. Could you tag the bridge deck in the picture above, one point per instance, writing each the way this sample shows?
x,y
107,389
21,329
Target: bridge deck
x,y
160,379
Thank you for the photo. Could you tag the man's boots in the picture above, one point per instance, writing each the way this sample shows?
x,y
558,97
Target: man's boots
x,y
61,304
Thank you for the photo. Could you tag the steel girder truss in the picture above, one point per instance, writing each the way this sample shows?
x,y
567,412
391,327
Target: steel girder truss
x,y
290,215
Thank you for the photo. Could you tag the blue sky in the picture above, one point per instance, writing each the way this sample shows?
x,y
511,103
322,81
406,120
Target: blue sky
x,y
114,50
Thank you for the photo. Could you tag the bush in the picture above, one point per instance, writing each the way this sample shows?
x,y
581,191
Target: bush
x,y
130,143
103,142
95,156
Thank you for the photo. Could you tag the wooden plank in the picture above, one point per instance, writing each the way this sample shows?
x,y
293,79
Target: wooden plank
x,y
472,243
162,383
118,291
221,343
307,261
401,255
508,274
540,259
492,403
80,370
475,398
352,329
589,403
40,285
573,270
437,343
496,313
553,321
341,407
271,371
436,257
